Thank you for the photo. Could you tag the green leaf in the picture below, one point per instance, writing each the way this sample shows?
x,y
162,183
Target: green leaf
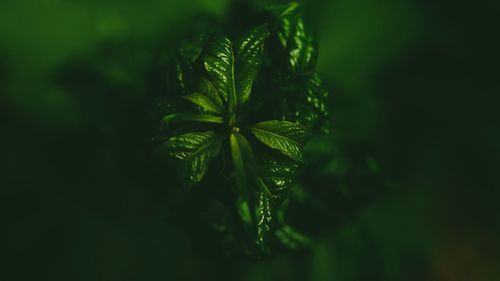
x,y
243,159
249,53
243,209
204,101
182,76
207,97
219,64
284,136
277,176
209,90
196,150
202,118
306,103
294,43
263,213
273,180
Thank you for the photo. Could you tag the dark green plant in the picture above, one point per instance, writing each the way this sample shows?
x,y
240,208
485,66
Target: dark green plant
x,y
267,73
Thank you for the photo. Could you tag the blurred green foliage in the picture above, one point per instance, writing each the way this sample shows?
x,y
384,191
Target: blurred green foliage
x,y
411,84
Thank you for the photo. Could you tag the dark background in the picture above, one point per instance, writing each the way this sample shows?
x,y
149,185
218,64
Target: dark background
x,y
414,79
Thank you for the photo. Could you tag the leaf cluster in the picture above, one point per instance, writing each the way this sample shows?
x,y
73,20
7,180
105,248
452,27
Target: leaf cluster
x,y
221,85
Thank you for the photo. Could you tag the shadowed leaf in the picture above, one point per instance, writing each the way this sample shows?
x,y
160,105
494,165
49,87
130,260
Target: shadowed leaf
x,y
295,44
306,103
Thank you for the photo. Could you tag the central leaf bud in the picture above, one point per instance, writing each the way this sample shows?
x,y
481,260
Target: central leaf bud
x,y
235,129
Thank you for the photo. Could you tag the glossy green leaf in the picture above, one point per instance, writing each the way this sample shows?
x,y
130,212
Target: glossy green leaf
x,y
284,136
273,180
218,82
219,65
207,97
243,159
249,52
202,118
263,212
196,150
306,103
206,87
277,175
296,44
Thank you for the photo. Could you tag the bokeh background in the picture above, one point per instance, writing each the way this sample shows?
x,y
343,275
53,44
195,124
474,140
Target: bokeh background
x,y
414,79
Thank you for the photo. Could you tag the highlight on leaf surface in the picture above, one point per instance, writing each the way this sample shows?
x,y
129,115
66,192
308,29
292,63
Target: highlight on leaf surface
x,y
219,65
277,176
233,67
249,54
196,150
218,77
284,136
295,43
263,213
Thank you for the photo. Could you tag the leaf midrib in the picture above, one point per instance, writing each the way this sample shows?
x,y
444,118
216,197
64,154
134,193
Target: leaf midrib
x,y
234,101
266,189
208,99
202,148
276,135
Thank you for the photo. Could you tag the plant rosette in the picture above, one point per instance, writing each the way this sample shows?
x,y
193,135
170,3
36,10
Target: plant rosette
x,y
217,76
